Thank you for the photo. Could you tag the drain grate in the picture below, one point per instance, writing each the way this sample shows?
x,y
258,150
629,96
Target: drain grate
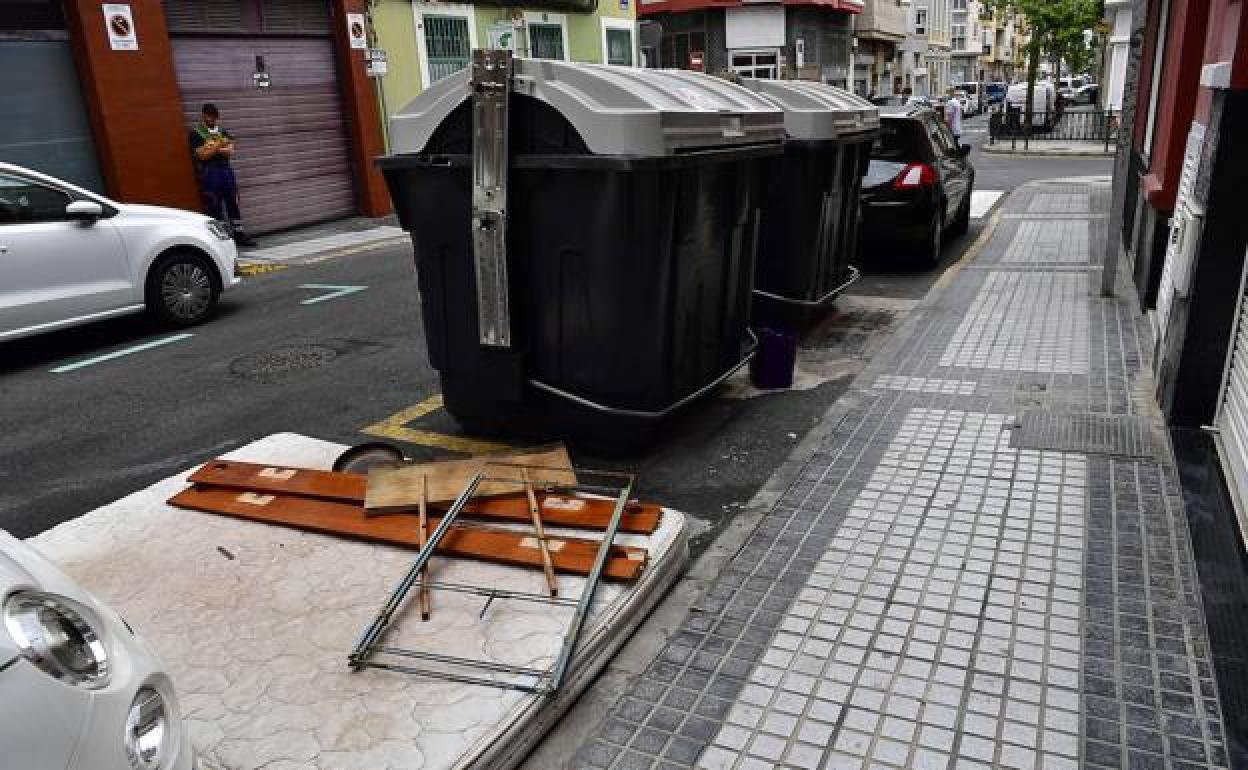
x,y
291,358
1084,432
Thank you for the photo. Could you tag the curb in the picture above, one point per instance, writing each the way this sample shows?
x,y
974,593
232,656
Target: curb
x,y
990,149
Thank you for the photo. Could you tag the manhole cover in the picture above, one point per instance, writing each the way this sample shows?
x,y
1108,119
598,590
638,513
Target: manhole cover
x,y
291,358
1123,436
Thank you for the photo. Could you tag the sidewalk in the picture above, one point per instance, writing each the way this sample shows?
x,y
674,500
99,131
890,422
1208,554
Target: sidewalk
x,y
984,561
1056,148
308,245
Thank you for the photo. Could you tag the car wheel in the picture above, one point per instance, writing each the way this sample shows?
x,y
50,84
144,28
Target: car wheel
x,y
182,289
935,239
963,223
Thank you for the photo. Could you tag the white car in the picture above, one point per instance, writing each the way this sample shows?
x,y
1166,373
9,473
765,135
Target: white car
x,y
78,689
69,256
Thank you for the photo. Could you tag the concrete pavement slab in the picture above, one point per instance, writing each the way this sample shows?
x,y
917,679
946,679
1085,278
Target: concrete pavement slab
x,y
928,592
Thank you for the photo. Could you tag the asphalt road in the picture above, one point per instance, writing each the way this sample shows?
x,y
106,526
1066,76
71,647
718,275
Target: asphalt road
x,y
75,440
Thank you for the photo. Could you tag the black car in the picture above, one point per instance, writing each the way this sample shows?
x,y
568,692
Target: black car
x,y
918,186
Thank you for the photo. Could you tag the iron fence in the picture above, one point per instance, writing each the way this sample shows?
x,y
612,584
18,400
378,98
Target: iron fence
x,y
1068,125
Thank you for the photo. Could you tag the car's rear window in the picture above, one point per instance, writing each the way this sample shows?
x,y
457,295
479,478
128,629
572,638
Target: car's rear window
x,y
898,141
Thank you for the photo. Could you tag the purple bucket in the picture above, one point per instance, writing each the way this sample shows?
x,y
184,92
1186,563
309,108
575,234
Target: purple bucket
x,y
772,365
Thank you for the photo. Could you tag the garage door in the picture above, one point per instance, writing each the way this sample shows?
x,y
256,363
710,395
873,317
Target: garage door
x,y
1231,420
46,128
292,158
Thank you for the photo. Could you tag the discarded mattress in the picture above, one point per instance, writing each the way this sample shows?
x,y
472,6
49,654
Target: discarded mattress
x,y
254,623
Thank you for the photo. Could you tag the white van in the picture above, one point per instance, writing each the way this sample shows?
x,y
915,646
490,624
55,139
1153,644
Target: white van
x,y
974,104
1043,102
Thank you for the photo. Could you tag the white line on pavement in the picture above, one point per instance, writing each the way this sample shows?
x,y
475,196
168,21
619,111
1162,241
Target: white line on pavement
x,y
334,292
123,352
982,202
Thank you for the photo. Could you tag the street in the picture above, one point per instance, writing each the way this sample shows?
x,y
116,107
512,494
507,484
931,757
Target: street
x,y
351,367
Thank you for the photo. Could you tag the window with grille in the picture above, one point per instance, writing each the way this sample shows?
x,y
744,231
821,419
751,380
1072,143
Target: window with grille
x,y
447,45
545,41
755,64
920,21
620,47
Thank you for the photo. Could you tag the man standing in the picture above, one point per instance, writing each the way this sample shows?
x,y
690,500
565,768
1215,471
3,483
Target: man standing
x,y
953,116
213,147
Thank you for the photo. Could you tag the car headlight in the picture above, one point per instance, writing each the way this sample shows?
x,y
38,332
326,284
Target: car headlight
x,y
147,731
219,229
56,637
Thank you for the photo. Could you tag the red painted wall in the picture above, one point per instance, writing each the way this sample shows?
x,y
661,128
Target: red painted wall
x,y
359,98
132,98
1176,104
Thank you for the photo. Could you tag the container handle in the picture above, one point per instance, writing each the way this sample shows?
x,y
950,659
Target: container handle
x,y
854,275
622,412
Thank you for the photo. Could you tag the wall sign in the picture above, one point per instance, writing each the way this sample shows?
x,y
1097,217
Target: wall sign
x,y
119,22
377,64
356,31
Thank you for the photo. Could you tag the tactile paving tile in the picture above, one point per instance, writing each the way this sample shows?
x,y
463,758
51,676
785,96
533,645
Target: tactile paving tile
x,y
1122,436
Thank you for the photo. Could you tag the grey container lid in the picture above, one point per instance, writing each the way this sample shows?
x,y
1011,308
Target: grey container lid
x,y
817,111
616,110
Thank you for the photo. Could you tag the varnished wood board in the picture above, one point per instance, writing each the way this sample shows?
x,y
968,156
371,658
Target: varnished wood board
x,y
399,488
557,509
569,555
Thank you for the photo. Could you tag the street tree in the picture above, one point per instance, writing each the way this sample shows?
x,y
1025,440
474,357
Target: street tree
x,y
1056,28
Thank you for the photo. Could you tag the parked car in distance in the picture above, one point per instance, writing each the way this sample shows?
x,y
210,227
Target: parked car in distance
x,y
994,93
918,184
71,256
1043,103
1085,94
79,690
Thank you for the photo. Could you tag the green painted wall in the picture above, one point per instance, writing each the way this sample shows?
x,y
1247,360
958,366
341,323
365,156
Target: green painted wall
x,y
395,27
394,24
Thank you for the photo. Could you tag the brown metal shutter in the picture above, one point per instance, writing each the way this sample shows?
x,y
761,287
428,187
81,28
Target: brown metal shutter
x,y
292,160
200,16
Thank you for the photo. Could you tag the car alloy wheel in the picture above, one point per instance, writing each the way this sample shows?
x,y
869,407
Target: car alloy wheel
x,y
186,291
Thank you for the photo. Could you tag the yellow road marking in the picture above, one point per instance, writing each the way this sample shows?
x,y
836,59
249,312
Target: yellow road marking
x,y
395,427
259,268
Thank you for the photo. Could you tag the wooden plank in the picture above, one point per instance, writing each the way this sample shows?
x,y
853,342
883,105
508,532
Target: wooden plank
x,y
568,555
399,488
558,510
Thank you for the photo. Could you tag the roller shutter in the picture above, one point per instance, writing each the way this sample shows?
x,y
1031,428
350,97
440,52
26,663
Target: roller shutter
x,y
46,127
1231,420
292,162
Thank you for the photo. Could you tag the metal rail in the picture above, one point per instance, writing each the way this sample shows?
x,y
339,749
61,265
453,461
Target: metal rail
x,y
854,275
368,653
364,645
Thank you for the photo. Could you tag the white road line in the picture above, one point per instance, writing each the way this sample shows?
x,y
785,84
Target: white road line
x,y
123,352
334,292
982,202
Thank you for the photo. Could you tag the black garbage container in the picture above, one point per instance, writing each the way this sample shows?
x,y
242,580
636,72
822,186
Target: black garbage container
x,y
584,240
810,211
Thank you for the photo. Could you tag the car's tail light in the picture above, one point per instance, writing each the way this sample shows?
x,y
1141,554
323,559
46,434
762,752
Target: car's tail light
x,y
915,176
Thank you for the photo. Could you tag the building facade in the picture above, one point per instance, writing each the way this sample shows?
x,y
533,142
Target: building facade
x,y
113,113
803,39
1177,219
879,30
426,41
1116,51
965,41
925,54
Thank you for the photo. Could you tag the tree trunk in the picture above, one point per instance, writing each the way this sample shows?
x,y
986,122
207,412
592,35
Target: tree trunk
x,y
1033,65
